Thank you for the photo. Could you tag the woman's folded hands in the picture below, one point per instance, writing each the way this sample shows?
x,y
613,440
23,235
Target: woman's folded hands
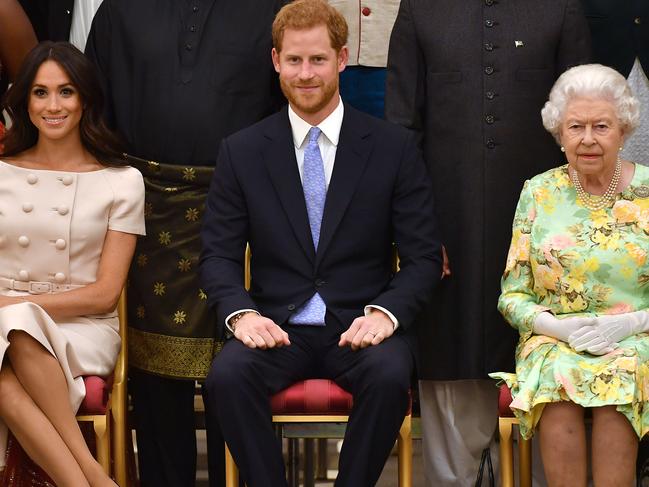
x,y
597,335
608,331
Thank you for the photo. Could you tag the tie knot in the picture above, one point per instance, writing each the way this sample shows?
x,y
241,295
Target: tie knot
x,y
314,133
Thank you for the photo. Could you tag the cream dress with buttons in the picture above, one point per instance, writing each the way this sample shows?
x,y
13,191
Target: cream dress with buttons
x,y
52,229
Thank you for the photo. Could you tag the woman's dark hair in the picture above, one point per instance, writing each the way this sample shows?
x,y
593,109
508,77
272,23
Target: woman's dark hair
x,y
96,137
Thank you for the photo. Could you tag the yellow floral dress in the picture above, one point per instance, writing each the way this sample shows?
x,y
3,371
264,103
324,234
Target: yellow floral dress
x,y
572,261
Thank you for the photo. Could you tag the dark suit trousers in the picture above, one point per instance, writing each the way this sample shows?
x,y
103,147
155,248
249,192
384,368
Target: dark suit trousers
x,y
242,380
166,437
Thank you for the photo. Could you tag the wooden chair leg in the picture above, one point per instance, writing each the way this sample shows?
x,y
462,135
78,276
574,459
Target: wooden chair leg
x,y
506,452
321,459
404,447
231,470
524,462
102,435
121,438
308,472
293,462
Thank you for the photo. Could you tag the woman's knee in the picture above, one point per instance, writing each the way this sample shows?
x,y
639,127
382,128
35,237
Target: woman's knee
x,y
23,346
562,417
12,393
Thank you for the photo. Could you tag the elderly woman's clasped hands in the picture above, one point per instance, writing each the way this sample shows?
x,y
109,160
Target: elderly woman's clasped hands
x,y
597,335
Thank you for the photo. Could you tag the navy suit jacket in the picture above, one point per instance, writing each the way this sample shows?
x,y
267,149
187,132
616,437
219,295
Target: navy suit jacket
x,y
379,194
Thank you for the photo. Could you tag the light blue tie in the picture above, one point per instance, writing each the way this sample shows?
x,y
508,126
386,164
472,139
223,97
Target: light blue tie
x,y
314,186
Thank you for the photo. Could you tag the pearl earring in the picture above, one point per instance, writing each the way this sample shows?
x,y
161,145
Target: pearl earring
x,y
563,149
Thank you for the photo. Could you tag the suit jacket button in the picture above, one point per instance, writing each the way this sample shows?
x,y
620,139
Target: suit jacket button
x,y
489,23
291,307
489,119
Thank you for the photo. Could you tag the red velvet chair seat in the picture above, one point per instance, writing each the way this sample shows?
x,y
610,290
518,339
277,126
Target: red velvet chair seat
x,y
312,396
504,400
97,392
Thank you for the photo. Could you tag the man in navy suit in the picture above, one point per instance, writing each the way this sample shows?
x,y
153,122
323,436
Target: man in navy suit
x,y
321,192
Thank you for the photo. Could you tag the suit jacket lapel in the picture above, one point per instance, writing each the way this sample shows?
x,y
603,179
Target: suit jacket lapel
x,y
279,157
352,154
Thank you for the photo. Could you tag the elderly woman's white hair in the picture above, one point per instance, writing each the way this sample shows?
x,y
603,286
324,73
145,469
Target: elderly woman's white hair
x,y
591,81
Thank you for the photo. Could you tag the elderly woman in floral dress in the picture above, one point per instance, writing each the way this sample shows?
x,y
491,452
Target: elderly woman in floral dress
x,y
576,286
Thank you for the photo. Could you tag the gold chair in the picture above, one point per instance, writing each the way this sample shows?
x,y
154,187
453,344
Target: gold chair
x,y
109,414
506,422
404,445
335,398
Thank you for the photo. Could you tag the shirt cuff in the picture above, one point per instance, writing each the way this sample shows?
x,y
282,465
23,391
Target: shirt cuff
x,y
393,319
227,319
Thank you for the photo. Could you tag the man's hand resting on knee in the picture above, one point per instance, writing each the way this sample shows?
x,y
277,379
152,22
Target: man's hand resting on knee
x,y
367,330
256,331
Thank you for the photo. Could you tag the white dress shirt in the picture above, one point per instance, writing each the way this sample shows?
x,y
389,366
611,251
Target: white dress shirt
x,y
328,144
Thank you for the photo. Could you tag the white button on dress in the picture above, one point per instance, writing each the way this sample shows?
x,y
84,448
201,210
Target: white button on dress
x,y
23,240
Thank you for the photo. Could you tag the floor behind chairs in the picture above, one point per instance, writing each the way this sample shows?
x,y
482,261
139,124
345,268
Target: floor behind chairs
x,y
388,477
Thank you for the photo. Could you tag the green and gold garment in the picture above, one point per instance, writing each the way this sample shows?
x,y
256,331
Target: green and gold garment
x,y
573,261
171,329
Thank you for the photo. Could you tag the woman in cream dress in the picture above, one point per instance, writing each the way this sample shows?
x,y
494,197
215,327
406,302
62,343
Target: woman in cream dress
x,y
69,216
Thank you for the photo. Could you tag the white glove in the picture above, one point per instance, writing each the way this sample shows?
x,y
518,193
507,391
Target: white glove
x,y
608,330
548,324
591,340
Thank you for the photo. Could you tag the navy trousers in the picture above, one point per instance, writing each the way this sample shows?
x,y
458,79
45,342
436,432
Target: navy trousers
x,y
242,380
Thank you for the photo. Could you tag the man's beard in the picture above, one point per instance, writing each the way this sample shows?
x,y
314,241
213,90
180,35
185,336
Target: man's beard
x,y
309,104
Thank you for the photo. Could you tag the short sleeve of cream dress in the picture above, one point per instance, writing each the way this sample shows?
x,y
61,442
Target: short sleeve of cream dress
x,y
52,230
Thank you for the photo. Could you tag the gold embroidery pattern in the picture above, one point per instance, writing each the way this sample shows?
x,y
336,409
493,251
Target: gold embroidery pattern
x,y
202,295
141,312
184,265
159,288
189,174
164,238
148,209
191,215
180,317
142,260
180,357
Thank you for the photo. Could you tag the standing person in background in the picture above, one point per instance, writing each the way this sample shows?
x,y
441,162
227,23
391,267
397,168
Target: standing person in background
x,y
180,76
471,78
82,15
620,38
17,38
362,84
51,19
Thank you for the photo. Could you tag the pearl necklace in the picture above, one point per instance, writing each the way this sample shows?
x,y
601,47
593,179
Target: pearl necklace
x,y
596,203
